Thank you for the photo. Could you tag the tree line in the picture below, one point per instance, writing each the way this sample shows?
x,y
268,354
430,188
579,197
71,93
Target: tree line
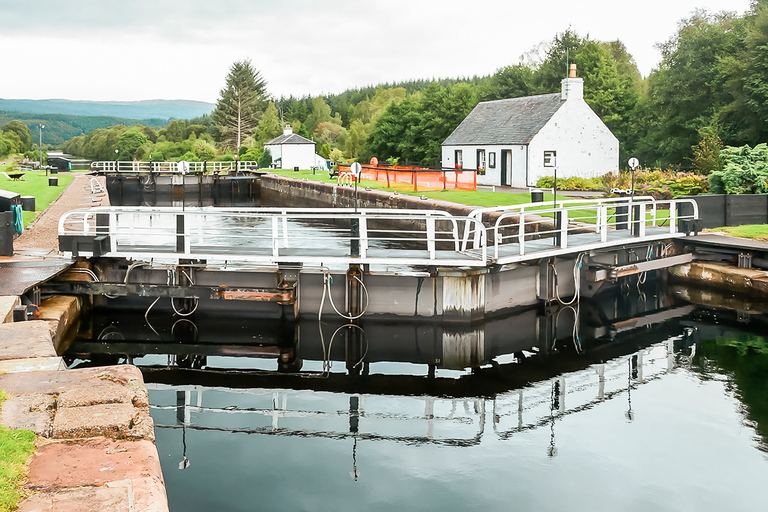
x,y
710,90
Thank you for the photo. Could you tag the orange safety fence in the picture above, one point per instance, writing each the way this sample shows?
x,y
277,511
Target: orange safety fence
x,y
418,179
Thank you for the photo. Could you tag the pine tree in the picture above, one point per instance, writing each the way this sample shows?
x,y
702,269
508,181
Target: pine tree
x,y
241,103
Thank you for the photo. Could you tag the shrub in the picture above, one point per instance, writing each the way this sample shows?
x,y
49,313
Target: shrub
x,y
745,171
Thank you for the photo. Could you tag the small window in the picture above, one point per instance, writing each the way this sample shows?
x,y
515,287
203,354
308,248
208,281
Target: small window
x,y
492,160
459,159
550,158
480,159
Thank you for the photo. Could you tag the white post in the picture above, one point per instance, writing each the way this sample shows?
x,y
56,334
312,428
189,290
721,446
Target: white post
x,y
363,235
285,230
275,236
431,236
564,229
673,217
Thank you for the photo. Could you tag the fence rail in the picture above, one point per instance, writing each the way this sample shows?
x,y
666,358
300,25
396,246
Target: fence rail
x,y
136,167
500,235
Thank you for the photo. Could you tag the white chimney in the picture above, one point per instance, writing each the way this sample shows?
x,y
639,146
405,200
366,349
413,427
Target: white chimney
x,y
287,130
572,88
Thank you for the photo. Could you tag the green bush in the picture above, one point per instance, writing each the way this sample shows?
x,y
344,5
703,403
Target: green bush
x,y
745,171
572,183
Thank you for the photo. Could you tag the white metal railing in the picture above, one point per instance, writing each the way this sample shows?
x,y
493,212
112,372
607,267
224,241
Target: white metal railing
x,y
136,167
431,237
269,235
607,219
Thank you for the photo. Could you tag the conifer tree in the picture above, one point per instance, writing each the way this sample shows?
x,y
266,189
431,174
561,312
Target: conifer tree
x,y
240,105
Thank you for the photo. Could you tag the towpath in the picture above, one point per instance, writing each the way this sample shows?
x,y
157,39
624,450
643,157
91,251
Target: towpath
x,y
41,237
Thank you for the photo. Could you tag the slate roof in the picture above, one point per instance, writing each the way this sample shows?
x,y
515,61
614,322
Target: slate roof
x,y
511,121
291,138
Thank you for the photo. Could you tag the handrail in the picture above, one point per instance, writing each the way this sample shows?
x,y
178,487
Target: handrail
x,y
422,237
185,167
636,222
206,232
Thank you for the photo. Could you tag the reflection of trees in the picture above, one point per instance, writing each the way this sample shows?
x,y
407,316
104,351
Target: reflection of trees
x,y
744,357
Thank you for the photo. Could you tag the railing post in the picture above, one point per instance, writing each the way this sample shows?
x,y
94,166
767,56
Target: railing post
x,y
363,235
181,234
603,221
563,228
285,229
641,220
673,216
275,236
521,234
431,236
635,219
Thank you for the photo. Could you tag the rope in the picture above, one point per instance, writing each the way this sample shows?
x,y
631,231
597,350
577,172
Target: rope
x,y
18,218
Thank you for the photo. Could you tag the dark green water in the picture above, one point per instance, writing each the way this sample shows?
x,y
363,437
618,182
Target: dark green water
x,y
668,417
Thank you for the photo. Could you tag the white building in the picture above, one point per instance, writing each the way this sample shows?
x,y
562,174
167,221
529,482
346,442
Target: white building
x,y
290,150
519,140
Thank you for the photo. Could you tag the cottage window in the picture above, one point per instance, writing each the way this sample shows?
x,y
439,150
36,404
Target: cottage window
x,y
459,159
480,159
492,159
550,158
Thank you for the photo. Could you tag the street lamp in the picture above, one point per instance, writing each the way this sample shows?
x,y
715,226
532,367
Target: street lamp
x,y
41,125
116,152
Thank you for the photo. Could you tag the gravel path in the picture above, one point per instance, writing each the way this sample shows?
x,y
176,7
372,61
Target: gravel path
x,y
42,236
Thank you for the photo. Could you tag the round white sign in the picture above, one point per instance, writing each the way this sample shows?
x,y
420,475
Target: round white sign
x,y
356,168
634,163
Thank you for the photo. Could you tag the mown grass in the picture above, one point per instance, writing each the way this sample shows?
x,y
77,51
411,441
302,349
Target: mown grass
x,y
753,231
16,447
480,198
35,183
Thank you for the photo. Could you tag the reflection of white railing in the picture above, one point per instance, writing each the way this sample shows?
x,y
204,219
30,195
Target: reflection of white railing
x,y
183,167
413,420
539,404
273,235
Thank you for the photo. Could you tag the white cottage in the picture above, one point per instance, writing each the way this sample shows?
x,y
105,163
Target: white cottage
x,y
519,140
291,150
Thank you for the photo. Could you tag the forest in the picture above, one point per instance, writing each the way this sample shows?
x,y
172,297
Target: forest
x,y
709,91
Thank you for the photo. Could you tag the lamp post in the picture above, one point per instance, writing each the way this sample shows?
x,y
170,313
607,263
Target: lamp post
x,y
116,152
41,125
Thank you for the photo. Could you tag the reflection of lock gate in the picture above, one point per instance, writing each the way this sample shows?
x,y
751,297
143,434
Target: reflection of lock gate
x,y
419,420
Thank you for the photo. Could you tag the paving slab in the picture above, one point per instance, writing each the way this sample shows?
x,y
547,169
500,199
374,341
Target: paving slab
x,y
7,303
36,364
56,382
92,462
108,420
25,340
30,412
86,499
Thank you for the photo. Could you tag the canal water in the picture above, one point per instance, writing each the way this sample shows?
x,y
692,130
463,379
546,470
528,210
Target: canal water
x,y
661,408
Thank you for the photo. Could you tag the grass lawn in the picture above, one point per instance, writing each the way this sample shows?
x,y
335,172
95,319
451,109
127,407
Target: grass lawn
x,y
36,184
481,198
16,446
754,231
468,197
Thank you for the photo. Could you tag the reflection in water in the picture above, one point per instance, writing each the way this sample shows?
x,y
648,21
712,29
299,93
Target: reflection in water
x,y
524,410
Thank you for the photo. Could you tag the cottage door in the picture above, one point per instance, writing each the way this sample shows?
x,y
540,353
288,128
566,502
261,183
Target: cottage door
x,y
506,167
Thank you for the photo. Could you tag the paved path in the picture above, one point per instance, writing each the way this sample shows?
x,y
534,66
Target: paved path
x,y
41,237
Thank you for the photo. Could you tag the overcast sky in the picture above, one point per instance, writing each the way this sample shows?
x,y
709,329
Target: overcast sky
x,y
172,49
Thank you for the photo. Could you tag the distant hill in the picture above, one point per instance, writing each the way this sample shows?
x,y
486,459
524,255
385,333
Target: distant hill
x,y
62,127
147,109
